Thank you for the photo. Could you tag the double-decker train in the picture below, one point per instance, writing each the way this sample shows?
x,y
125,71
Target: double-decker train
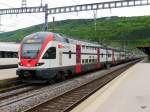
x,y
8,54
46,56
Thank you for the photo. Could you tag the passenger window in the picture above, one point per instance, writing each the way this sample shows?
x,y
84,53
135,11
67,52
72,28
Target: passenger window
x,y
82,61
93,60
86,61
102,55
89,60
110,55
50,53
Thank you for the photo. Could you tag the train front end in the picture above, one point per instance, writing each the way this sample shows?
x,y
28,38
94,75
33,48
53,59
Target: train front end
x,y
30,63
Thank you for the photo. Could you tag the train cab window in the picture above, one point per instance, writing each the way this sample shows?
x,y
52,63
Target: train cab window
x,y
50,53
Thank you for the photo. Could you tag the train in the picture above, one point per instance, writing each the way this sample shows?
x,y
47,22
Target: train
x,y
9,49
9,54
47,56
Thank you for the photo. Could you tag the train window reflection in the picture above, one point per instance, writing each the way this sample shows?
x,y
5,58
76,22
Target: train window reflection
x,y
30,50
50,53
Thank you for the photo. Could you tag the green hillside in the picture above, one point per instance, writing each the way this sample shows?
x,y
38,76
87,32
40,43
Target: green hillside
x,y
129,31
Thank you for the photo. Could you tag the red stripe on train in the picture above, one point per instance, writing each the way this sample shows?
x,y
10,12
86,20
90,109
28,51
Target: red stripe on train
x,y
33,62
78,68
78,59
47,40
98,64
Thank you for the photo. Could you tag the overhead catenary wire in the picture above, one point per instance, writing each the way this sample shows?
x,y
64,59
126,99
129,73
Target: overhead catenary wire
x,y
99,8
10,6
13,25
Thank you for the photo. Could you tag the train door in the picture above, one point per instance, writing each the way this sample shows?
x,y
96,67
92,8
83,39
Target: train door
x,y
78,58
113,57
107,56
98,65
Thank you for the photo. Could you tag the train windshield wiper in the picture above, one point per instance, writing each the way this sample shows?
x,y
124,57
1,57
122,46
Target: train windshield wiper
x,y
30,54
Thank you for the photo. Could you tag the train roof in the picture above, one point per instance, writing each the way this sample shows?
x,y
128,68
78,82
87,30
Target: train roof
x,y
9,46
42,36
39,36
62,37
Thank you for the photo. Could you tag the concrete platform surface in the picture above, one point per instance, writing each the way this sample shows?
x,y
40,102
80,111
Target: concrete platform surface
x,y
130,92
8,73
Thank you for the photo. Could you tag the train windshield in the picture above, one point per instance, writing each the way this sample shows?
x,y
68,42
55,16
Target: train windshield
x,y
31,50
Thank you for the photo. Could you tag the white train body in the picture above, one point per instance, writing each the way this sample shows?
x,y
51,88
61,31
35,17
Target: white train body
x,y
46,56
9,54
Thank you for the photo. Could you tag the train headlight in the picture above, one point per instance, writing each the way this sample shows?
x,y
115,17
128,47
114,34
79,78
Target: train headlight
x,y
19,63
39,64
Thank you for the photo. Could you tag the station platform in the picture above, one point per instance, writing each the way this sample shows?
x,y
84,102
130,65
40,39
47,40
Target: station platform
x,y
8,74
130,92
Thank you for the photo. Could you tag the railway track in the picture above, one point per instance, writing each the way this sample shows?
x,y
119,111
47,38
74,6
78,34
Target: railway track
x,y
15,87
62,96
9,84
69,100
14,91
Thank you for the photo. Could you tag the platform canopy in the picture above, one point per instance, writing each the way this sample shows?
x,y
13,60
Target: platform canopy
x,y
145,49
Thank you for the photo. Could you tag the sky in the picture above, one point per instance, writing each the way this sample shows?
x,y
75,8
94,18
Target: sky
x,y
13,22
